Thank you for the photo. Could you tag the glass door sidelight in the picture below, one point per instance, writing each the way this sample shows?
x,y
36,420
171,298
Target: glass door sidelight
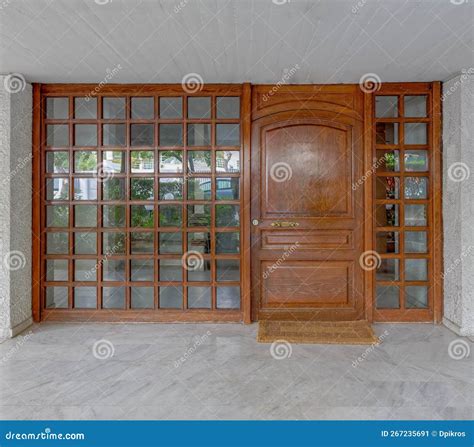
x,y
141,203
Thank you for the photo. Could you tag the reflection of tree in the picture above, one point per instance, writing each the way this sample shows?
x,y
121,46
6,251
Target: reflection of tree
x,y
168,186
114,189
227,242
170,215
203,156
60,216
227,215
142,188
114,215
142,217
86,161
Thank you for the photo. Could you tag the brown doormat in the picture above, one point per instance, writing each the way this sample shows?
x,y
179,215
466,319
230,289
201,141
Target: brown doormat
x,y
317,332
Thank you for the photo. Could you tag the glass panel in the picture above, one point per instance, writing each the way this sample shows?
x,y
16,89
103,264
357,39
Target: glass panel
x,y
171,215
85,216
227,242
227,215
228,134
171,188
388,270
171,135
113,135
199,188
85,270
57,216
85,135
416,188
57,297
386,106
113,216
416,269
142,216
416,133
228,107
199,162
85,297
142,188
171,243
142,298
57,135
142,135
388,161
199,134
113,243
386,133
57,189
142,161
387,297
387,188
113,270
57,243
387,242
171,270
227,161
199,271
387,216
171,108
113,297
200,242
142,270
228,297
415,106
114,189
57,270
113,161
416,297
227,188
199,107
113,108
57,108
85,161
143,108
85,189
57,162
415,215
85,243
171,161
199,297
416,161
85,108
199,215
142,242
228,270
171,297
416,242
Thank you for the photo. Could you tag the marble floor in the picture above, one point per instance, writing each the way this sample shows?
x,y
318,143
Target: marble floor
x,y
207,371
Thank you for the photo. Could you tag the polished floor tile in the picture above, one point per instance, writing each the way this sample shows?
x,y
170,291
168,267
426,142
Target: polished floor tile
x,y
219,371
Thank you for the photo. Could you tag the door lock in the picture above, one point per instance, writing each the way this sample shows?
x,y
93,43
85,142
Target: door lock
x,y
255,222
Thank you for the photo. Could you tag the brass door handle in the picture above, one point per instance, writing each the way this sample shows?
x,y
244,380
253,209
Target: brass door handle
x,y
283,224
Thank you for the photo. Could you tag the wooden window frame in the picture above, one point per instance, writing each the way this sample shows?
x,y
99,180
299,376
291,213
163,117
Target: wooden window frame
x,y
43,91
434,230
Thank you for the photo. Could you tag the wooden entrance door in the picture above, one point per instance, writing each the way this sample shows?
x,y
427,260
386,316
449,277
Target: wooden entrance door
x,y
307,210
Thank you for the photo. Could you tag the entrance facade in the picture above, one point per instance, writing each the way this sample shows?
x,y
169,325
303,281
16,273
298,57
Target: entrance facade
x,y
237,203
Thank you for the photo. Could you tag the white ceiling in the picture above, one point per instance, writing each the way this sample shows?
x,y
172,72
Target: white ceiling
x,y
327,41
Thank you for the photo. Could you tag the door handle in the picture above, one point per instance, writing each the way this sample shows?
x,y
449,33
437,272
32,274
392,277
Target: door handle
x,y
283,224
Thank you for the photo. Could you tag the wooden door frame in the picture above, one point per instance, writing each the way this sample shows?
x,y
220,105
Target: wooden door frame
x,y
247,108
